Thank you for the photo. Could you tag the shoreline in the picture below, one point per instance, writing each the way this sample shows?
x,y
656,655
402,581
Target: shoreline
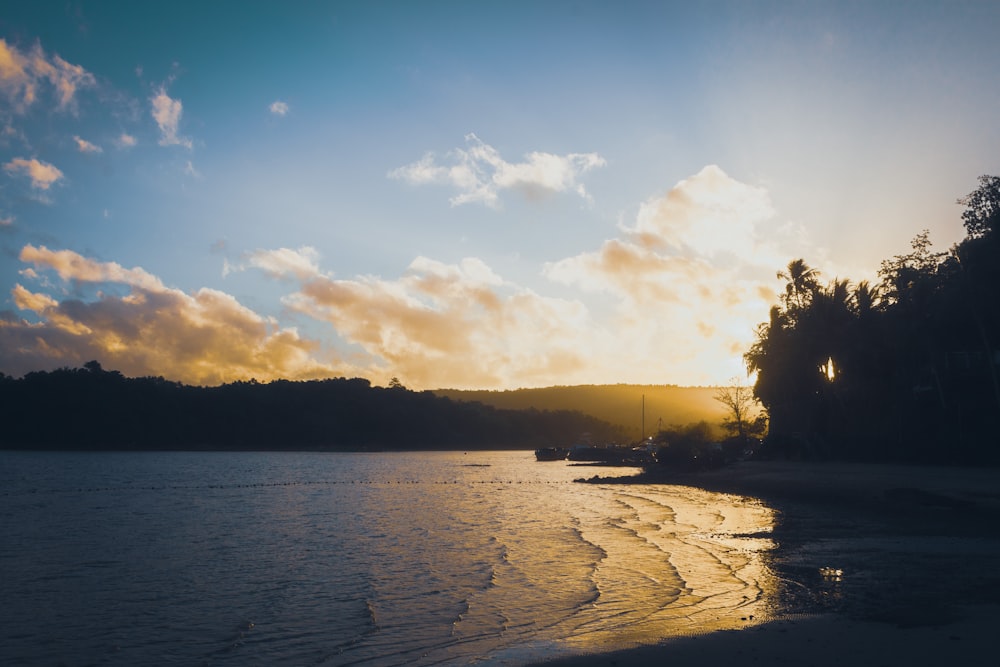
x,y
880,564
827,640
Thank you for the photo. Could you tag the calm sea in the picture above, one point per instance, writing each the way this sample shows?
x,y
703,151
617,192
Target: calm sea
x,y
179,558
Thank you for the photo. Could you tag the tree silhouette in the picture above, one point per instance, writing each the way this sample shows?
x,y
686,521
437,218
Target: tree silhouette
x,y
802,283
90,408
741,408
982,208
916,357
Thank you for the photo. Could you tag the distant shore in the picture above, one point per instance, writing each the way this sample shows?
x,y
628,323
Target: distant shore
x,y
880,564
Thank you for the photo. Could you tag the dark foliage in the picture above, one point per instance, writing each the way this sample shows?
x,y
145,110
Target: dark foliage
x,y
691,447
915,360
90,408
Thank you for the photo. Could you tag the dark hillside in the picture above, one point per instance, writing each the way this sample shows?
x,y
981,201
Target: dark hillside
x,y
90,408
619,404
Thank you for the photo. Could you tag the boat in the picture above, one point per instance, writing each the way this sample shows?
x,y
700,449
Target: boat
x,y
551,454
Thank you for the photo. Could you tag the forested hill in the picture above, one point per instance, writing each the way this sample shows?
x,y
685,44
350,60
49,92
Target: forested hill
x,y
619,404
90,408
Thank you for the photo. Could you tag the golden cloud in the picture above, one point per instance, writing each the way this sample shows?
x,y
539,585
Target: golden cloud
x,y
21,74
452,325
682,278
206,337
675,307
659,311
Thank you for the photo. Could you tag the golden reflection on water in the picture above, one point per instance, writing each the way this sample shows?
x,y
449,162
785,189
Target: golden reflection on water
x,y
427,558
519,554
712,551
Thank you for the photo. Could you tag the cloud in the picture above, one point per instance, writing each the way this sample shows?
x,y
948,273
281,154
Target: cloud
x,y
42,174
167,114
24,75
9,133
189,170
205,337
125,141
71,266
666,300
85,146
283,262
689,278
279,108
6,221
441,325
662,299
709,213
479,173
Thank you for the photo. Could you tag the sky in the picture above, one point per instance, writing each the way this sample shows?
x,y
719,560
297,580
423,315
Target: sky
x,y
466,194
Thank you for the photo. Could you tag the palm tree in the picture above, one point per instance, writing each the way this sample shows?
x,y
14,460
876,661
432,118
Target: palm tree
x,y
802,283
865,299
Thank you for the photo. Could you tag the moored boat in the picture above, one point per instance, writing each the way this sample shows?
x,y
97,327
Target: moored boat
x,y
551,453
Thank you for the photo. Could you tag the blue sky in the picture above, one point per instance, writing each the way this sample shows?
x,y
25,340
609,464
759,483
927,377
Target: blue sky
x,y
488,195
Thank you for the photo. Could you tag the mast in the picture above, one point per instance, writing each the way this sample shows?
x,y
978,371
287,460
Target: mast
x,y
643,418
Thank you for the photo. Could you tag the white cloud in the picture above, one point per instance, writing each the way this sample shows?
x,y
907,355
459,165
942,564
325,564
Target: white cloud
x,y
709,213
479,173
6,221
23,76
85,146
279,108
167,114
42,174
189,170
280,263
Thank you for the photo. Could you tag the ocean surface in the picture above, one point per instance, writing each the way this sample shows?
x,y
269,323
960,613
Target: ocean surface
x,y
163,558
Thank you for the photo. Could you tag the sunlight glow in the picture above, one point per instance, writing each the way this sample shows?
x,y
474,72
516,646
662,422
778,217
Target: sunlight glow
x,y
828,369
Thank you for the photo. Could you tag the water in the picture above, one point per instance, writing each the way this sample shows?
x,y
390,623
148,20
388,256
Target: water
x,y
167,558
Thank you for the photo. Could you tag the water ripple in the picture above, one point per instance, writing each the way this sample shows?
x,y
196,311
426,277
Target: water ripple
x,y
344,559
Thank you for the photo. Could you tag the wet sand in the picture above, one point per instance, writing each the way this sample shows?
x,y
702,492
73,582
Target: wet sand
x,y
880,565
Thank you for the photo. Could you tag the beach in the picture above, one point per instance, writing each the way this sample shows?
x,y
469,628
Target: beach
x,y
878,564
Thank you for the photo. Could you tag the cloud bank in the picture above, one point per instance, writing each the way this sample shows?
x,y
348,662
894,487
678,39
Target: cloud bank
x,y
439,324
676,294
206,337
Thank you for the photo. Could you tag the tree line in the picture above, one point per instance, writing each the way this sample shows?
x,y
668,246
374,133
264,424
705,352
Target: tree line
x,y
907,369
90,408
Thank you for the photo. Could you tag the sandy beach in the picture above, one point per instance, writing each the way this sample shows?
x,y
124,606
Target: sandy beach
x,y
880,565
